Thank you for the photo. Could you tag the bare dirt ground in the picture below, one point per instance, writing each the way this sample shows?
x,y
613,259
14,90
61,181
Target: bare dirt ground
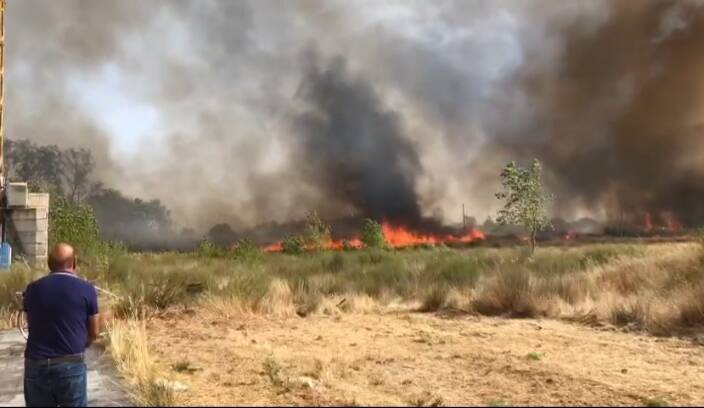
x,y
406,358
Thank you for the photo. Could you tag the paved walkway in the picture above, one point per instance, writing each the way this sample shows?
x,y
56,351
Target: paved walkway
x,y
104,389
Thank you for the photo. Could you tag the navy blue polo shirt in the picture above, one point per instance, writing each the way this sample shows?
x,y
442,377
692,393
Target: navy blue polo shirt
x,y
58,307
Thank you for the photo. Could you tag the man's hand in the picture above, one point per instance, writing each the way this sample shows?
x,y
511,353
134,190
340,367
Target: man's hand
x,y
93,328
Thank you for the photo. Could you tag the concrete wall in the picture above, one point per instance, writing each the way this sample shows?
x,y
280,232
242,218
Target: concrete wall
x,y
28,231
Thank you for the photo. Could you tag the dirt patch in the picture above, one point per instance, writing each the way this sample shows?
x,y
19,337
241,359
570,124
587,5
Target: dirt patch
x,y
405,358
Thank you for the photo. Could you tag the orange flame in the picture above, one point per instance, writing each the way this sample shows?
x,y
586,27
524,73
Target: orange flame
x,y
354,243
399,237
396,237
275,247
338,245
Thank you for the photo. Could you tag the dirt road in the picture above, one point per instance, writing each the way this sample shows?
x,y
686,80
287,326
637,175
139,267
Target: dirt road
x,y
402,358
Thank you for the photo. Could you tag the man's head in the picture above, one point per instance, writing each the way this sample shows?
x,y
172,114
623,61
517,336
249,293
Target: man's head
x,y
62,258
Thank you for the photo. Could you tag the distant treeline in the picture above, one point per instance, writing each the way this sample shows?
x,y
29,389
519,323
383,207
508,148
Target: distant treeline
x,y
70,174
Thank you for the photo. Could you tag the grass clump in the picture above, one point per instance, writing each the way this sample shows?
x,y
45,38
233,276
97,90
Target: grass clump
x,y
435,299
653,402
128,347
275,372
247,251
534,356
512,293
207,249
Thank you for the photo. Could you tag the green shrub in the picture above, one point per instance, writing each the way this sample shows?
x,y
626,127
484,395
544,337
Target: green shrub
x,y
391,274
513,293
336,263
294,245
373,234
317,232
247,251
374,256
457,271
207,249
147,291
74,224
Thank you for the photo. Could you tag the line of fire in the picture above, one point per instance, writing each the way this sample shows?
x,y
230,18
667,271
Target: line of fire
x,y
646,226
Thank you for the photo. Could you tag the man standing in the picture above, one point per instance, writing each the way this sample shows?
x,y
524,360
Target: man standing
x,y
62,312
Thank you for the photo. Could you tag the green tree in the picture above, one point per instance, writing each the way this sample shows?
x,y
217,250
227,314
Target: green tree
x,y
372,234
317,232
74,224
247,251
525,200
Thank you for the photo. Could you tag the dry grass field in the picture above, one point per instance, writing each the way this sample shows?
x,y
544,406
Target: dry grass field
x,y
616,324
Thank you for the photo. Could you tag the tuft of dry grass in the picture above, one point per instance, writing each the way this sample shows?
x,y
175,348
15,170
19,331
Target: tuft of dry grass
x,y
278,300
128,347
513,292
434,299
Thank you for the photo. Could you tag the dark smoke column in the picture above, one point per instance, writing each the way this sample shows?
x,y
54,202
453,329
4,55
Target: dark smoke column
x,y
352,147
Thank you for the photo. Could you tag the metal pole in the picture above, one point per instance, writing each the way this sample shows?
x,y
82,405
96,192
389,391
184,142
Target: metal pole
x,y
2,93
3,199
464,219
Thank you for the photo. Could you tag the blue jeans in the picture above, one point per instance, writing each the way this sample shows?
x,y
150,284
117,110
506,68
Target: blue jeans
x,y
55,385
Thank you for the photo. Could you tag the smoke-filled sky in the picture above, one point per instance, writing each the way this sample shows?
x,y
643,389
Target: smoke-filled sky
x,y
251,111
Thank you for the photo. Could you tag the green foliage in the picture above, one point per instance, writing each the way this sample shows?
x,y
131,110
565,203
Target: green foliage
x,y
336,263
372,234
247,251
206,249
534,356
74,224
457,271
317,232
294,245
525,201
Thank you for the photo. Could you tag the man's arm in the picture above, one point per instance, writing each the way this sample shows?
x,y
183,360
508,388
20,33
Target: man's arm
x,y
93,328
93,317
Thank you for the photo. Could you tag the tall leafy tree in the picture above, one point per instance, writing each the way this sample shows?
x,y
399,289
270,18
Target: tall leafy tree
x,y
78,168
41,166
525,199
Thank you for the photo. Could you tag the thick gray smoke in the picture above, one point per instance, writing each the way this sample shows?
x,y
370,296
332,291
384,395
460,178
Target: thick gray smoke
x,y
261,110
619,119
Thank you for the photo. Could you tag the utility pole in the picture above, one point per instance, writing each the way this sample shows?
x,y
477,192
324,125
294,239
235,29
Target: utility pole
x,y
2,97
464,219
5,249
